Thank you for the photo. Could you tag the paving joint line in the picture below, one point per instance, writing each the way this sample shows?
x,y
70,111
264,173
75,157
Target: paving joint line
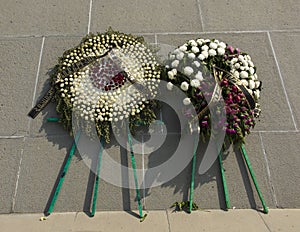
x,y
17,181
168,220
282,81
200,14
269,229
268,170
90,16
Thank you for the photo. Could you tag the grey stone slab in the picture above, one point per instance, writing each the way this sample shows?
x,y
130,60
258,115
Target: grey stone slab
x,y
53,48
241,189
10,155
213,220
42,161
19,62
287,54
245,15
282,150
273,101
44,17
145,16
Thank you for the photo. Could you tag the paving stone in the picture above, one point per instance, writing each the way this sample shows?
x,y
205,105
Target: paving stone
x,y
145,16
53,48
116,221
42,160
272,100
10,155
245,15
44,17
235,220
19,61
287,54
282,220
282,150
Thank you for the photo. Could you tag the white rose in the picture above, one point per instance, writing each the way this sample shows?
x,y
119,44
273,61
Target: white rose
x,y
236,73
186,101
180,56
201,57
175,63
221,51
193,42
200,41
176,51
204,48
250,63
251,70
195,83
170,86
172,57
196,63
244,74
191,55
171,75
212,52
199,76
222,45
241,58
188,70
251,84
183,48
205,53
234,60
207,40
213,45
184,86
255,76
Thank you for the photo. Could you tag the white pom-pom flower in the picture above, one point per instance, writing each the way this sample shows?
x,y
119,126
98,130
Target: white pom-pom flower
x,y
184,86
188,70
186,101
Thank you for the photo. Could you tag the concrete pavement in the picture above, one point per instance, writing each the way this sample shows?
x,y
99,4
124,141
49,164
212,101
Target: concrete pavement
x,y
162,221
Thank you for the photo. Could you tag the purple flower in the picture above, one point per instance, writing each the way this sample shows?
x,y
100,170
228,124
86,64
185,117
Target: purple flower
x,y
231,49
238,51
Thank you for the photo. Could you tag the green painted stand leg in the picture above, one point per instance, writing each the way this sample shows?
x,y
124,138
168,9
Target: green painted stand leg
x,y
254,178
96,184
52,119
62,176
142,218
193,175
227,201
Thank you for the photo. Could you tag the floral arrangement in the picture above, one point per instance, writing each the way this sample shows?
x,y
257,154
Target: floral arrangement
x,y
199,67
105,79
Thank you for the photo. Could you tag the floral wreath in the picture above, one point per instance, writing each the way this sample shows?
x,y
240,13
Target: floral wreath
x,y
105,79
196,65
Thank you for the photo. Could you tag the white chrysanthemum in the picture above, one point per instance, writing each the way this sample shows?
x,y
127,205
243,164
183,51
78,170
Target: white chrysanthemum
x,y
171,75
212,52
204,48
199,76
184,86
170,86
205,53
251,84
201,57
195,83
213,45
251,70
195,49
196,63
191,56
222,45
193,43
244,74
188,70
221,51
183,48
186,101
175,63
180,56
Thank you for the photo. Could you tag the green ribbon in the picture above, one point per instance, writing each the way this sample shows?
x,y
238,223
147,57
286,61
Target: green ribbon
x,y
63,174
243,150
224,181
95,195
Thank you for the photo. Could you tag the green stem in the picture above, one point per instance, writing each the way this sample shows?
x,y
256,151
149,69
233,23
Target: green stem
x,y
97,178
63,174
52,119
193,174
224,181
254,178
135,175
